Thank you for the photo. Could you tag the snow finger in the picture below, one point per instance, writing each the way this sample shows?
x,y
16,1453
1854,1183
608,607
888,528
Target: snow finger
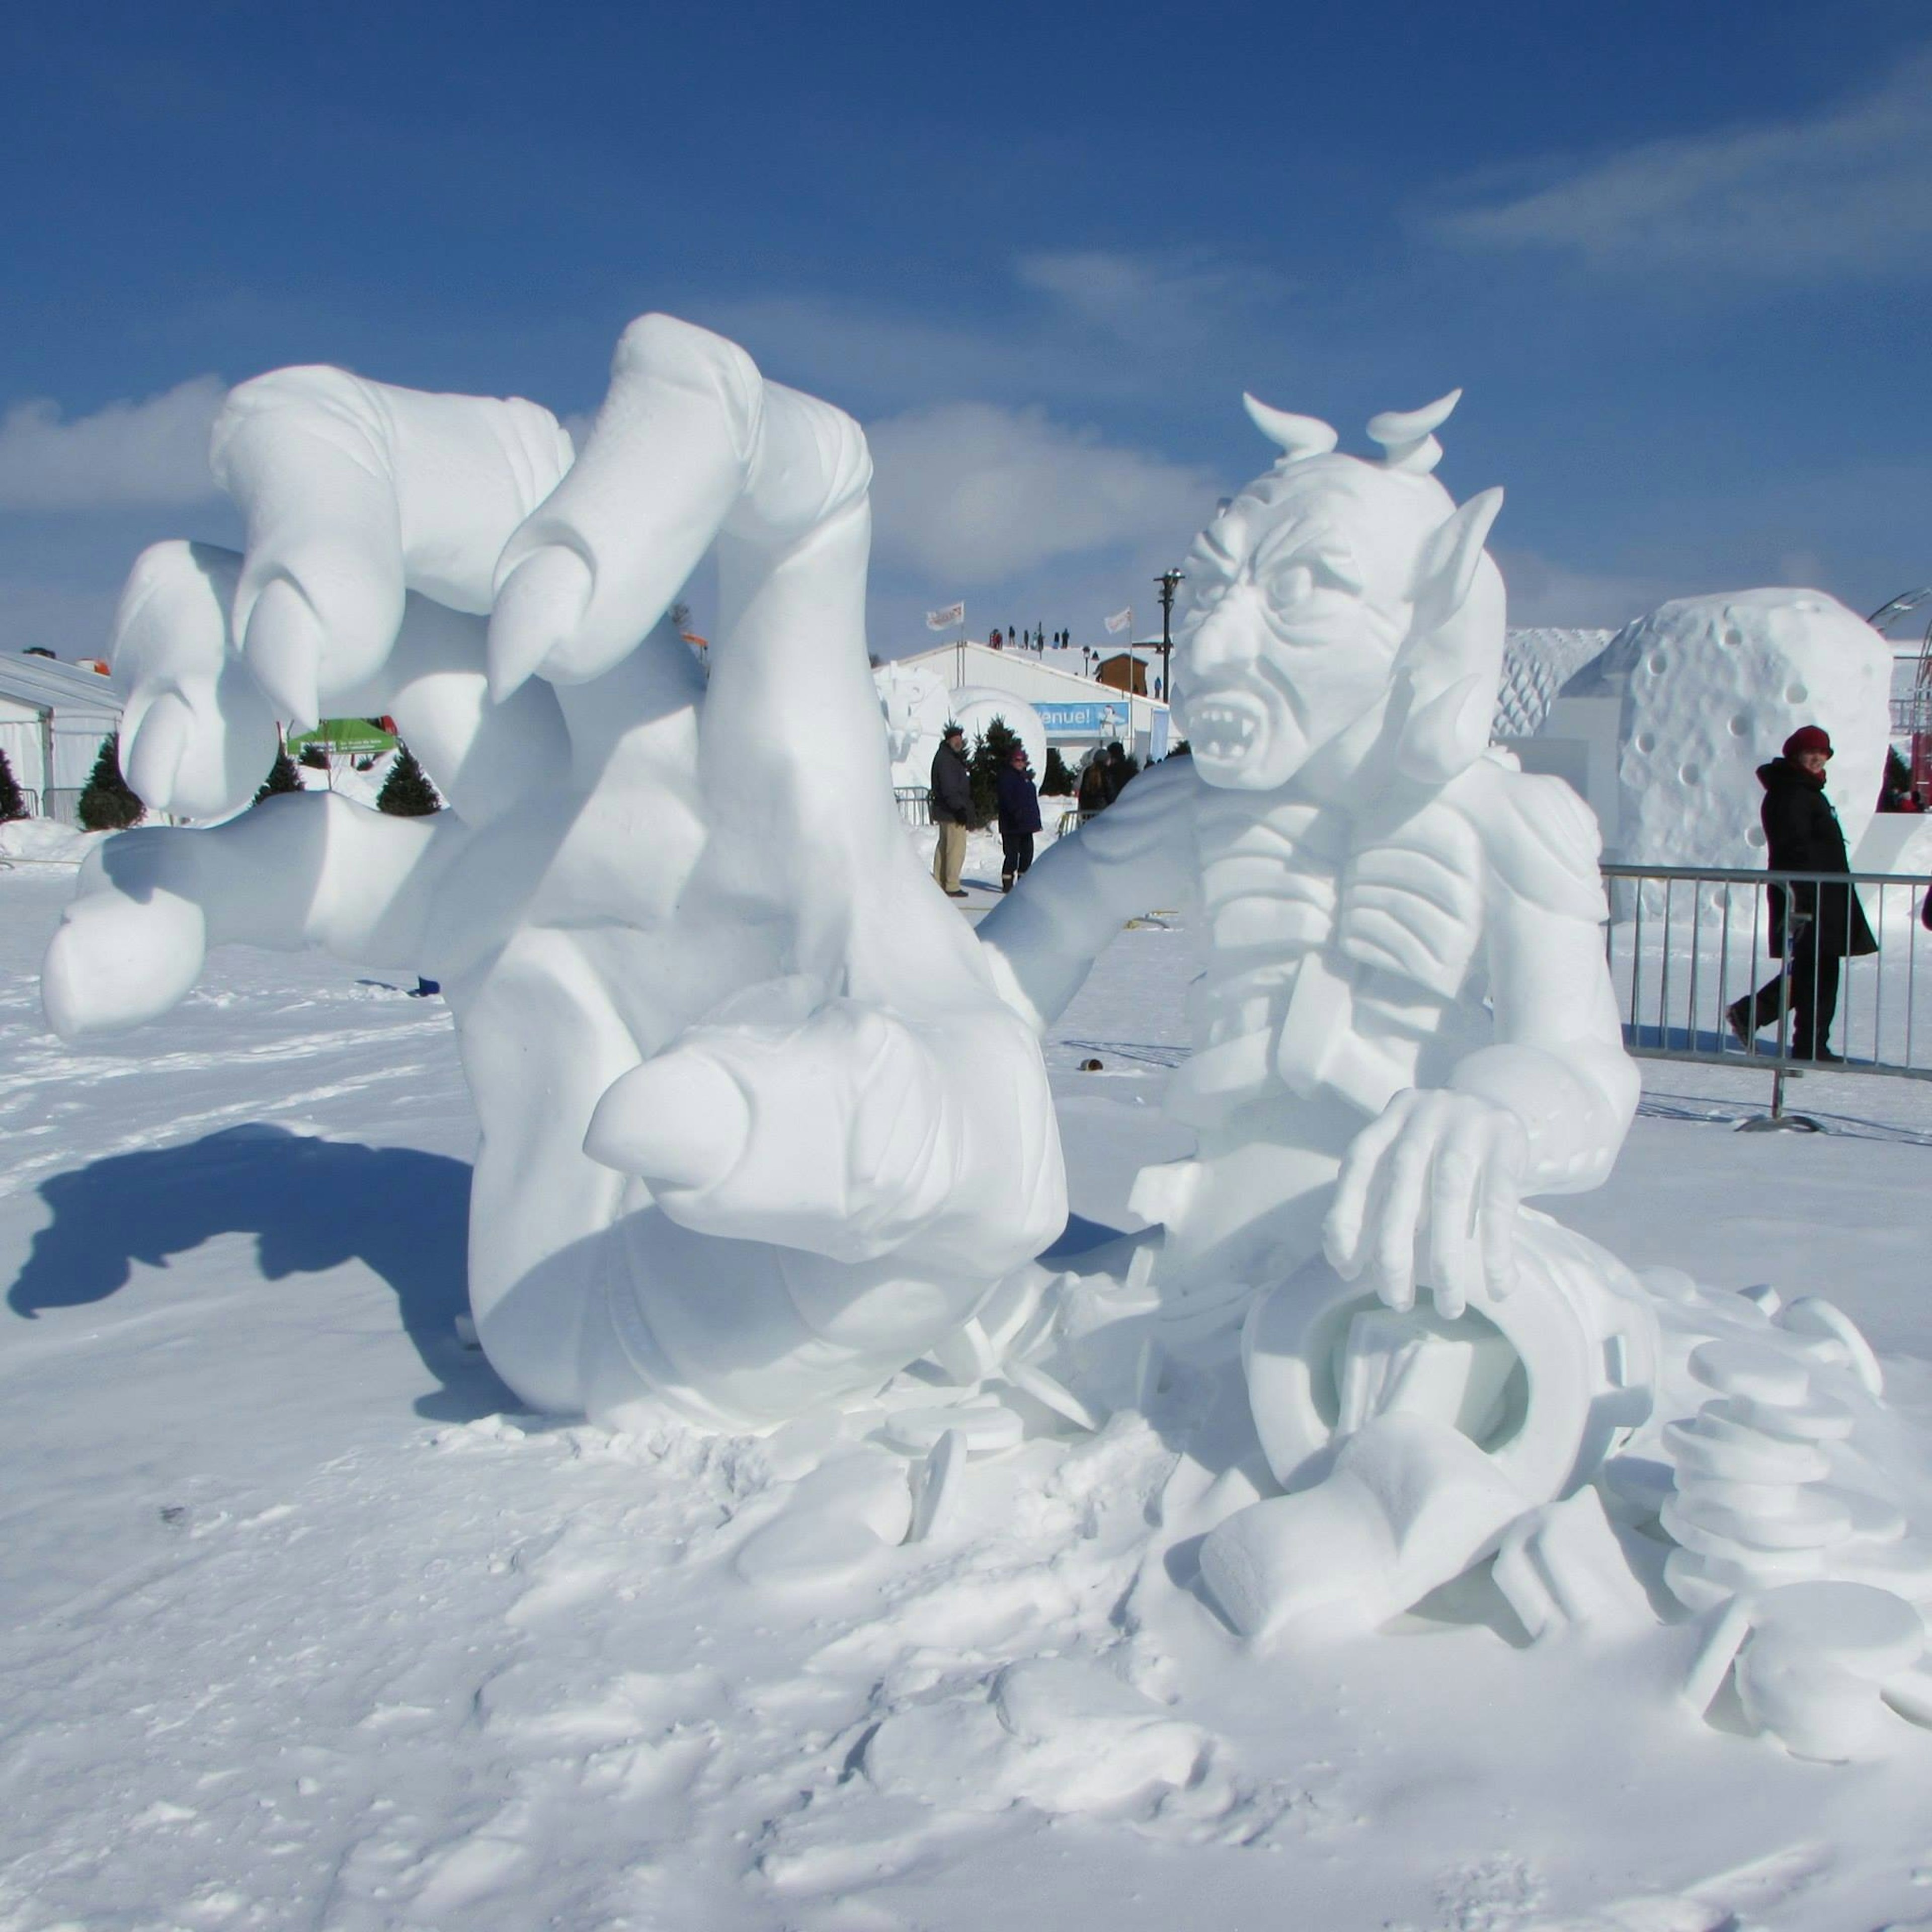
x,y
1501,1197
1347,1220
1454,1176
590,572
1396,1218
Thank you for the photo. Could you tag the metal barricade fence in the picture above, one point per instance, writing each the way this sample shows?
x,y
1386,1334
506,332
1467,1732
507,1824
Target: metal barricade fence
x,y
1686,947
915,804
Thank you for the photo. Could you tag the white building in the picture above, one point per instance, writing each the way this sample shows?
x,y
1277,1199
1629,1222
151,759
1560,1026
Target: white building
x,y
53,718
1077,712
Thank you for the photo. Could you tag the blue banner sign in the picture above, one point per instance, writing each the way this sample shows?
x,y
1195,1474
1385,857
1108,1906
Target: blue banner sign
x,y
1084,720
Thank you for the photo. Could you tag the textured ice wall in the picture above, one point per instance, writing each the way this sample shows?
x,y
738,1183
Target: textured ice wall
x,y
1537,663
1715,686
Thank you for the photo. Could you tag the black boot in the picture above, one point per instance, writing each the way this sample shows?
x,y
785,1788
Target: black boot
x,y
1006,882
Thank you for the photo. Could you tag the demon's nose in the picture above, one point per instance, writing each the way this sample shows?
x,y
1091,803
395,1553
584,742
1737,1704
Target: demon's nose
x,y
1228,638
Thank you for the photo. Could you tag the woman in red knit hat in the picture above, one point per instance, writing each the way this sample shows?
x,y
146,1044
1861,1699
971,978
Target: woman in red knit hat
x,y
1814,925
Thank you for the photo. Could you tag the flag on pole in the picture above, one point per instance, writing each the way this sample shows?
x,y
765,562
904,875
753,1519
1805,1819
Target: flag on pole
x,y
944,620
1121,620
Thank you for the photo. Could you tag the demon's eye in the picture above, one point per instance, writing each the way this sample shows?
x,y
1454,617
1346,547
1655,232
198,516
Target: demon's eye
x,y
1289,590
1208,582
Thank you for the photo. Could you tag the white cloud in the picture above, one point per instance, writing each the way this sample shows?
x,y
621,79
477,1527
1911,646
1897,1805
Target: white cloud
x,y
1095,324
1543,593
851,354
1848,189
971,494
154,451
1153,300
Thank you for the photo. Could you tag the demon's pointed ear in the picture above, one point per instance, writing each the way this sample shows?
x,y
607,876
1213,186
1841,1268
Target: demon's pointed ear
x,y
1446,571
1445,731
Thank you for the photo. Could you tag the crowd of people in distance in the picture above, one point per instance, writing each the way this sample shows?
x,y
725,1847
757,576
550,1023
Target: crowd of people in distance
x,y
1104,774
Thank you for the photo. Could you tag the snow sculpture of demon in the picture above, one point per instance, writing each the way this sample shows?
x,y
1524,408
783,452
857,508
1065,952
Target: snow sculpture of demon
x,y
1404,1027
757,1129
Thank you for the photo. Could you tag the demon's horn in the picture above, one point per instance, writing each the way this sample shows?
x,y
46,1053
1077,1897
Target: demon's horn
x,y
1446,570
1404,435
1295,435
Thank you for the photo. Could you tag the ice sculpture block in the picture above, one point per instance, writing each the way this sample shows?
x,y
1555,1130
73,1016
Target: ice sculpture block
x,y
757,1128
1712,686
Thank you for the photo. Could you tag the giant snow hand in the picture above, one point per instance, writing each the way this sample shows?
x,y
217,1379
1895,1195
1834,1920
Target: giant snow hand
x,y
678,924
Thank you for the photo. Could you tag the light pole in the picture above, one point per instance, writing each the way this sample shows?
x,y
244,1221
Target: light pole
x,y
1167,579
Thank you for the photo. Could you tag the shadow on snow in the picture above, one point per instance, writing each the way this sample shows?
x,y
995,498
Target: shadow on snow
x,y
311,1205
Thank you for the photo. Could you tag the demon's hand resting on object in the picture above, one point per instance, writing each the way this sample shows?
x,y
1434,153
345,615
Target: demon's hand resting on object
x,y
757,1130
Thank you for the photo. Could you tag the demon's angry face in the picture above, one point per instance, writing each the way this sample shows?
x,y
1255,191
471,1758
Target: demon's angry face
x,y
1297,606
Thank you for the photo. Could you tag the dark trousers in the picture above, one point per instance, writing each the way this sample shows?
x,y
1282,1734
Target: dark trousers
x,y
1814,998
1018,853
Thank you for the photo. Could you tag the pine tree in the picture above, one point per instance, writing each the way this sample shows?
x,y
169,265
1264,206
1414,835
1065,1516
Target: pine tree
x,y
1894,792
106,805
990,750
12,805
406,792
281,777
1058,782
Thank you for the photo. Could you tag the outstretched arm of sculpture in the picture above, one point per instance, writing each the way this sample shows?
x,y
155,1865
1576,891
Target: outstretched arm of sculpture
x,y
291,874
1428,1194
1138,854
696,971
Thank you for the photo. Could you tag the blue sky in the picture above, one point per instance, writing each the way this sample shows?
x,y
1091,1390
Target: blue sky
x,y
1680,258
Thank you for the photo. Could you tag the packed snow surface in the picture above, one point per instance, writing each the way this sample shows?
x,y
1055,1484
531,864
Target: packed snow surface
x,y
43,841
306,1624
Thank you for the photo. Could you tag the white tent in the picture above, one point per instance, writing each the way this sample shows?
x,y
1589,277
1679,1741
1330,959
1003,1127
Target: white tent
x,y
53,718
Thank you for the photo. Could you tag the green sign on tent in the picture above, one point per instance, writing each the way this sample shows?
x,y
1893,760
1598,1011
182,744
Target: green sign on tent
x,y
346,737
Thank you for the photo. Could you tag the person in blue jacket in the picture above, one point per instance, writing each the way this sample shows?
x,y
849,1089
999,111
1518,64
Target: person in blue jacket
x,y
1019,816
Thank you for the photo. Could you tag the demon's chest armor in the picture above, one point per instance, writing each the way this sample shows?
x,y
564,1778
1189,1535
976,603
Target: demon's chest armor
x,y
1342,957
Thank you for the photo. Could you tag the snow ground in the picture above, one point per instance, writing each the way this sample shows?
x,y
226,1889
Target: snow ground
x,y
302,1625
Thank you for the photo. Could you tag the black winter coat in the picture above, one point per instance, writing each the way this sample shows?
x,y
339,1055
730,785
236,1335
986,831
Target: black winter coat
x,y
1019,803
1802,834
952,788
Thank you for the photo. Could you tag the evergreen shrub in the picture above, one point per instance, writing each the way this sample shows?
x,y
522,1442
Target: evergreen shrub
x,y
106,804
406,792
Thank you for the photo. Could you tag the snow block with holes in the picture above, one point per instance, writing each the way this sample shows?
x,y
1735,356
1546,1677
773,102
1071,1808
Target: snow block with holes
x,y
1712,687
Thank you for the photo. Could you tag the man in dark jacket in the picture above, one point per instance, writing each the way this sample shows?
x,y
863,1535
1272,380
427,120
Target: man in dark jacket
x,y
1813,925
951,798
1019,816
1093,794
